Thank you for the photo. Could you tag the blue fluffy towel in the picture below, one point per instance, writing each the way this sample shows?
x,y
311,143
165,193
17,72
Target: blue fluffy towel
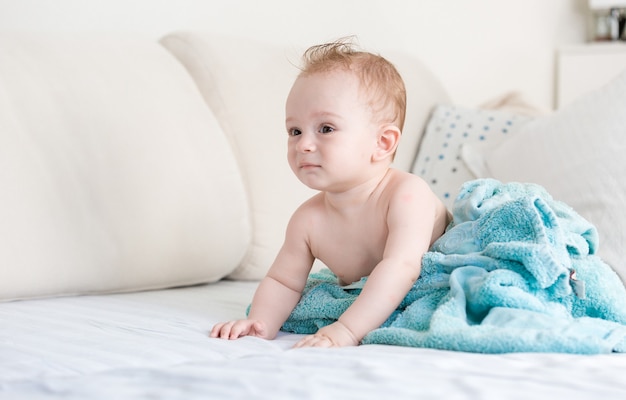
x,y
516,271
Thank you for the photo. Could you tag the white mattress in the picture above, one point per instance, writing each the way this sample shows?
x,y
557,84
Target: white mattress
x,y
155,345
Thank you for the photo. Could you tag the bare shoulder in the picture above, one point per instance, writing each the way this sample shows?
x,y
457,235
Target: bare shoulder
x,y
295,258
305,215
407,190
409,196
310,207
401,184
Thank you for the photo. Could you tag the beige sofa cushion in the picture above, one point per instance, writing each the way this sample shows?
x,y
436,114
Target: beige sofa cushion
x,y
114,174
246,83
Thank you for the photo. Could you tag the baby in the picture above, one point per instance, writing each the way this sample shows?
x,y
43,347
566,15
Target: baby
x,y
344,117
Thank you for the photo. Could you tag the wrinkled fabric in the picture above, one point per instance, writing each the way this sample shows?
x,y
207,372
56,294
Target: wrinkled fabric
x,y
516,271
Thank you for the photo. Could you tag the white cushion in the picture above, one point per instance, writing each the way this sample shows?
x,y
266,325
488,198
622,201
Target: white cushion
x,y
450,130
578,155
246,84
115,176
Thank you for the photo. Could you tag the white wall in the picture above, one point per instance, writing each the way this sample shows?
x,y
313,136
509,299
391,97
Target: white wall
x,y
479,48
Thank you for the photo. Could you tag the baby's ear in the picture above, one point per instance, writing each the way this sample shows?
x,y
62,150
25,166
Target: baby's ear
x,y
387,143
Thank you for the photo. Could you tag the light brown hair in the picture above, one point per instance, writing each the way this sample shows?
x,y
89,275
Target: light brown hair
x,y
379,78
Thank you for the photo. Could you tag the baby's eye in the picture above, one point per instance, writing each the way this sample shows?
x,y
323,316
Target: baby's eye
x,y
326,129
294,132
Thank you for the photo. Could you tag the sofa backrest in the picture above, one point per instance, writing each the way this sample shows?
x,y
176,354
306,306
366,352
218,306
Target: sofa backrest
x,y
245,82
114,174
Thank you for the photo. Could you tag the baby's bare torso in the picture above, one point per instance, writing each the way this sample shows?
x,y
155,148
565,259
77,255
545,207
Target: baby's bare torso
x,y
351,242
350,246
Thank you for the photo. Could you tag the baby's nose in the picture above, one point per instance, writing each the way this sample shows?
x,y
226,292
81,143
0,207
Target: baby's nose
x,y
306,143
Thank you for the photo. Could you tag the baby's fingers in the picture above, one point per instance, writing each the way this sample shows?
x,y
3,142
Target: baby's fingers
x,y
314,341
238,329
304,342
215,331
233,329
222,330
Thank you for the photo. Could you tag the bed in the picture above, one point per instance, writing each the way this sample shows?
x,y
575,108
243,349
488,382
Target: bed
x,y
154,344
137,211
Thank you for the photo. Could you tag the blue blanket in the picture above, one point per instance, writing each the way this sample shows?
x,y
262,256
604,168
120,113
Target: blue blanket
x,y
516,271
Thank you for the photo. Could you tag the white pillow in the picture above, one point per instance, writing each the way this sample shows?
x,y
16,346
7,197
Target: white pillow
x,y
579,155
450,128
115,176
246,84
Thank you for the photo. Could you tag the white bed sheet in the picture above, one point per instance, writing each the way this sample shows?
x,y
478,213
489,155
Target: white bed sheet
x,y
155,345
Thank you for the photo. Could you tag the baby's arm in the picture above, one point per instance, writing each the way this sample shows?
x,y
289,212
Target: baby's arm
x,y
279,291
382,293
410,221
271,305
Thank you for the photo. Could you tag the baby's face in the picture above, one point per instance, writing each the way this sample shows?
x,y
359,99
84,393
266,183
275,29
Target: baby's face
x,y
332,134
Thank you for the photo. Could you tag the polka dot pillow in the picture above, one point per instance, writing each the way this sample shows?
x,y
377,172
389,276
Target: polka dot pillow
x,y
439,160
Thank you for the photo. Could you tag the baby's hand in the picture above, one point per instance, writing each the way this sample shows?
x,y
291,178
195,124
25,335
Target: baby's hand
x,y
236,329
333,335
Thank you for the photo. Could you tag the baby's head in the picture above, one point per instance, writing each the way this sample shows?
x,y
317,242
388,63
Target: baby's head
x,y
344,116
380,81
